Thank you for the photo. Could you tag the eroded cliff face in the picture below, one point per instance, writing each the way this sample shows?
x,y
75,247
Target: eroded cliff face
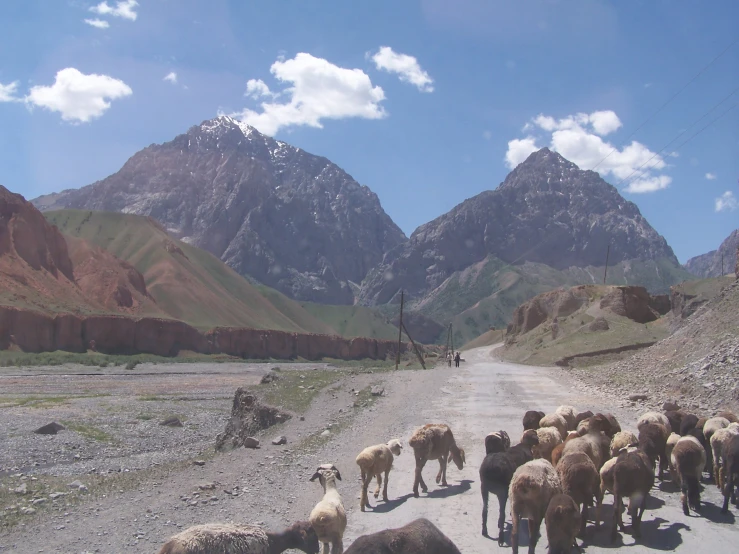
x,y
31,331
291,220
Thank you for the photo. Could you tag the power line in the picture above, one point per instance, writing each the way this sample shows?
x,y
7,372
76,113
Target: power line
x,y
669,100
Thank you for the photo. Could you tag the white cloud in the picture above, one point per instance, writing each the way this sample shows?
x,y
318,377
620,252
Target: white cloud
x,y
7,92
519,150
579,138
711,176
123,8
256,88
171,77
78,97
727,202
405,66
318,90
99,23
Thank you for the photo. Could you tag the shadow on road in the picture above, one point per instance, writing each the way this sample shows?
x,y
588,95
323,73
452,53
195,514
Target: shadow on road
x,y
712,512
654,535
451,490
384,507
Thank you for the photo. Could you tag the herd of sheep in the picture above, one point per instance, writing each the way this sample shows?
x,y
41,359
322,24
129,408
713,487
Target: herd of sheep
x,y
564,463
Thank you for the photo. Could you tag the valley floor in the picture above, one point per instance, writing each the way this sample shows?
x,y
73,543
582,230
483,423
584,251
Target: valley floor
x,y
270,485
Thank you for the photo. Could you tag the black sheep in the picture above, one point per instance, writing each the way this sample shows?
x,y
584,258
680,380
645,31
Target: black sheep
x,y
420,536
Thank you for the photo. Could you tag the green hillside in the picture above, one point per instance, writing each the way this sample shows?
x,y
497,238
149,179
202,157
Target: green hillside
x,y
353,321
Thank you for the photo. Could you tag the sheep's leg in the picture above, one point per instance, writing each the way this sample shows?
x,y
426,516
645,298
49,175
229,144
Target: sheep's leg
x,y
598,508
384,489
325,549
684,496
720,478
337,546
583,519
616,517
364,501
442,471
420,462
534,526
485,493
379,485
514,530
728,491
636,518
662,465
502,500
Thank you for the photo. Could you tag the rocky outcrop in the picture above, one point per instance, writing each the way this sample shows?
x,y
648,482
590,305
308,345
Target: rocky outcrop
x,y
38,332
635,303
292,220
248,417
547,306
547,210
710,264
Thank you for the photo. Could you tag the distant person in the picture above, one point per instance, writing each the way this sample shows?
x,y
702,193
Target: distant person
x,y
457,358
449,358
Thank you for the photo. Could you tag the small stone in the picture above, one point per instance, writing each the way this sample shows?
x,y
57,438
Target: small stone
x,y
637,397
302,418
28,511
326,433
83,488
199,462
251,442
55,495
75,485
377,390
172,421
282,439
207,486
23,489
50,428
39,501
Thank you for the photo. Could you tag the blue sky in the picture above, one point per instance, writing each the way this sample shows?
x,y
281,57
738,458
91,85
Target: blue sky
x,y
464,90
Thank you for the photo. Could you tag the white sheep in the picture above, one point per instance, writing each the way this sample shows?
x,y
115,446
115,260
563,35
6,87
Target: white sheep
x,y
709,428
718,439
555,420
621,440
653,417
328,517
570,415
533,485
549,437
373,461
671,442
241,539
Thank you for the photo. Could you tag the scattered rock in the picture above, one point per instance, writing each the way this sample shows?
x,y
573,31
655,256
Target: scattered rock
x,y
207,486
75,484
271,377
248,416
55,495
27,511
377,390
172,421
36,501
302,418
599,324
251,442
199,462
282,439
23,489
50,429
326,433
637,397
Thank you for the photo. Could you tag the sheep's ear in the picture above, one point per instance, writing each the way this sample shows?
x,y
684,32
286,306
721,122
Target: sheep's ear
x,y
316,475
338,475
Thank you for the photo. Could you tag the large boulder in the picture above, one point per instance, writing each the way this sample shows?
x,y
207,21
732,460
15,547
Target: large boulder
x,y
248,417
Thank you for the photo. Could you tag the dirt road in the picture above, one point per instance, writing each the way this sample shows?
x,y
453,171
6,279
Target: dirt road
x,y
482,396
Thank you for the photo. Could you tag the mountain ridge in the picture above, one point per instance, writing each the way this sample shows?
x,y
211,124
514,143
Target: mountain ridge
x,y
710,263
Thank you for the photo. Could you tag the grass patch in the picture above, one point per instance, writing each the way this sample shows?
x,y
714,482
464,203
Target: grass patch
x,y
145,417
295,390
89,431
151,398
38,401
90,359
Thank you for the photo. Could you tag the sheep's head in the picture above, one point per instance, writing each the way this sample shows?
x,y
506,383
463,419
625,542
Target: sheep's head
x,y
395,446
458,456
325,472
530,438
304,537
599,422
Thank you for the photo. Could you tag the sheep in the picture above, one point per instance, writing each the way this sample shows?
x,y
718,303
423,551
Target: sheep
x,y
718,439
610,429
434,442
729,471
652,440
570,415
562,521
581,481
606,472
633,477
669,446
594,443
241,539
533,485
701,423
328,517
581,416
557,452
728,415
675,417
497,441
556,421
652,417
689,458
496,472
711,426
531,419
548,438
420,536
621,440
373,461
687,424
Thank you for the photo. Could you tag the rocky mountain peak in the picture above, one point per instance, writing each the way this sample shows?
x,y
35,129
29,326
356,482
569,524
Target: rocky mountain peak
x,y
710,263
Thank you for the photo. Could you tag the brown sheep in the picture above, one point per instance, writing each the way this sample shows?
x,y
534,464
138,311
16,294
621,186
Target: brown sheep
x,y
434,441
555,420
581,481
420,536
531,419
633,478
595,443
373,461
653,441
563,522
689,458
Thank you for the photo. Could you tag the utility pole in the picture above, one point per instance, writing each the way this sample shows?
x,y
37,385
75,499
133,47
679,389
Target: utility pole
x,y
400,332
605,271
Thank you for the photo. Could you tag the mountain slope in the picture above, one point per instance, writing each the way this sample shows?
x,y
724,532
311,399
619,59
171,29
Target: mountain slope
x,y
289,219
709,264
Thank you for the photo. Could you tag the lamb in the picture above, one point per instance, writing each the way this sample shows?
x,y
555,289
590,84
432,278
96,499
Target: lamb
x,y
241,539
688,423
420,536
373,461
562,522
718,440
633,477
434,442
728,415
328,517
669,446
557,452
621,440
606,472
675,417
652,440
594,443
711,426
556,421
581,481
533,485
610,429
531,420
652,417
570,415
496,472
689,458
581,416
548,438
729,472
497,441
